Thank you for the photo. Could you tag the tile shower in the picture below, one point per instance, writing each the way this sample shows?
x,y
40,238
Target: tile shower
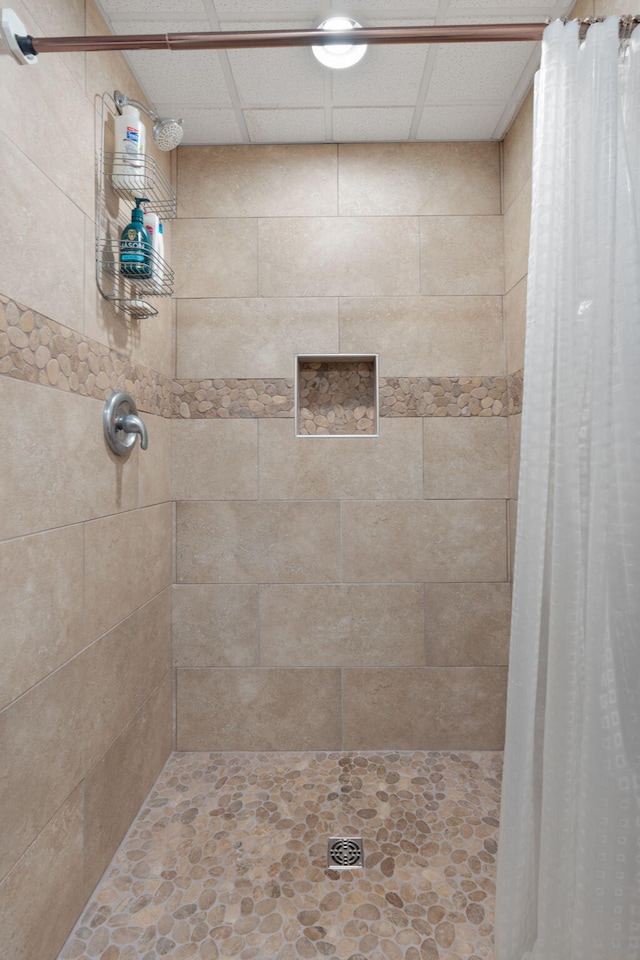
x,y
367,644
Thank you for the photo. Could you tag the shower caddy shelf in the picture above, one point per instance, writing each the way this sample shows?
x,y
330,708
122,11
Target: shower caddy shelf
x,y
128,294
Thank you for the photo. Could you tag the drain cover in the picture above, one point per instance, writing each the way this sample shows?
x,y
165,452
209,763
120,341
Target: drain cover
x,y
345,853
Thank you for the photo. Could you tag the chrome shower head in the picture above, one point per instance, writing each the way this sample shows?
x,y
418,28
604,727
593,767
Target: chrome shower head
x,y
167,133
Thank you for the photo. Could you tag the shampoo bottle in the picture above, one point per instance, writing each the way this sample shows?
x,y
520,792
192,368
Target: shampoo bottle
x,y
129,158
135,246
153,226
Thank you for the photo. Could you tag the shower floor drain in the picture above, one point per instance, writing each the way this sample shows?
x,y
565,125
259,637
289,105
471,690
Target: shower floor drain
x,y
345,853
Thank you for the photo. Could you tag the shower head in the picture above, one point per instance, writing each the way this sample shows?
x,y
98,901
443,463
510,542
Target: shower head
x,y
167,133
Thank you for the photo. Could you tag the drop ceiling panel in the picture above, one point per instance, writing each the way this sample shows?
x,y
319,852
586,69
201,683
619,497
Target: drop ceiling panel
x,y
352,124
397,92
384,77
285,126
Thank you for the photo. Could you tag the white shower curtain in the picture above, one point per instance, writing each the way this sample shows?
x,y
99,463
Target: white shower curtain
x,y
569,861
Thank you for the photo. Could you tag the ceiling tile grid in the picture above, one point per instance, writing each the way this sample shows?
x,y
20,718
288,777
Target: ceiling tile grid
x,y
413,92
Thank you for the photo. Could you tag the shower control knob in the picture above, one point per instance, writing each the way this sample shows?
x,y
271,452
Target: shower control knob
x,y
122,425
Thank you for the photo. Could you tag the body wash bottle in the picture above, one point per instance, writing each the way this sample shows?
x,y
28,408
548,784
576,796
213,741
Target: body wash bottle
x,y
135,246
129,159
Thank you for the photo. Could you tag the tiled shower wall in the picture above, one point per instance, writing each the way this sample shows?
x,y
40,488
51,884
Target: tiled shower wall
x,y
85,678
340,592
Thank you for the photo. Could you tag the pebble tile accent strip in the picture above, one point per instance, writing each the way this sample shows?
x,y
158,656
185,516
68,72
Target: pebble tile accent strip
x,y
227,859
228,399
336,398
443,397
40,350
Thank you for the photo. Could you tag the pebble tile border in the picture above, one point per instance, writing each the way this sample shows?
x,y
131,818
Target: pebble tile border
x,y
39,350
227,859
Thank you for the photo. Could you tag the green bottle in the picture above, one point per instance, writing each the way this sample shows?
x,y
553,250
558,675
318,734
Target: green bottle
x,y
135,245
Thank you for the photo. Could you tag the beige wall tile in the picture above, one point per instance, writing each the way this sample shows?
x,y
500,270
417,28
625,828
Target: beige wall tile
x,y
609,8
116,787
465,459
215,258
512,513
414,541
253,709
154,463
467,624
515,325
515,423
41,588
425,336
303,468
127,562
292,180
517,152
107,71
215,624
436,708
257,542
391,179
583,8
517,224
54,734
331,256
54,440
310,625
44,893
252,338
26,96
214,460
42,241
461,256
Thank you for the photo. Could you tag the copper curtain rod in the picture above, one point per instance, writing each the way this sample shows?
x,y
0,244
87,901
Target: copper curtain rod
x,y
234,40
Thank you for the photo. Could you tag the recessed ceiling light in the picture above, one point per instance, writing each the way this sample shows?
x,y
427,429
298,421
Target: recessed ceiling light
x,y
338,55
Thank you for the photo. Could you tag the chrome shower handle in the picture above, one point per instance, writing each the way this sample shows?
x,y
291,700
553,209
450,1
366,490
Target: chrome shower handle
x,y
122,425
132,424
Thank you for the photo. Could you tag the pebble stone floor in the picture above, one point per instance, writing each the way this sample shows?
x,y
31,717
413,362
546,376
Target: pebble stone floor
x,y
227,859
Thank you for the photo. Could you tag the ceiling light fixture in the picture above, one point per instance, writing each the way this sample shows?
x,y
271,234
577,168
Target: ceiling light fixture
x,y
339,55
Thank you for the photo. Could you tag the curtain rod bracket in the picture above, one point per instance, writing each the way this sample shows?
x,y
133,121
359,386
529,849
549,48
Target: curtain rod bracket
x,y
15,40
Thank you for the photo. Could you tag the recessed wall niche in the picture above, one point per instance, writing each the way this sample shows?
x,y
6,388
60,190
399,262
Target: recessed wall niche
x,y
337,395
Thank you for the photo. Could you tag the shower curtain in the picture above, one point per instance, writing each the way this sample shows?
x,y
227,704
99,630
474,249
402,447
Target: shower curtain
x,y
569,862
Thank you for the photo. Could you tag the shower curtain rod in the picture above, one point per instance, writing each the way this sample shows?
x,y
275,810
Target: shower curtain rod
x,y
234,40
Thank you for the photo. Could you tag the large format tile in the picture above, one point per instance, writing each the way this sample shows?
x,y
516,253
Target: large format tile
x,y
515,426
518,149
254,709
215,258
465,459
391,179
215,624
436,708
266,542
467,624
254,337
281,180
461,256
154,463
56,468
44,893
431,540
127,562
54,734
339,256
517,227
214,460
515,325
26,96
344,468
115,788
309,625
425,336
41,588
45,274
